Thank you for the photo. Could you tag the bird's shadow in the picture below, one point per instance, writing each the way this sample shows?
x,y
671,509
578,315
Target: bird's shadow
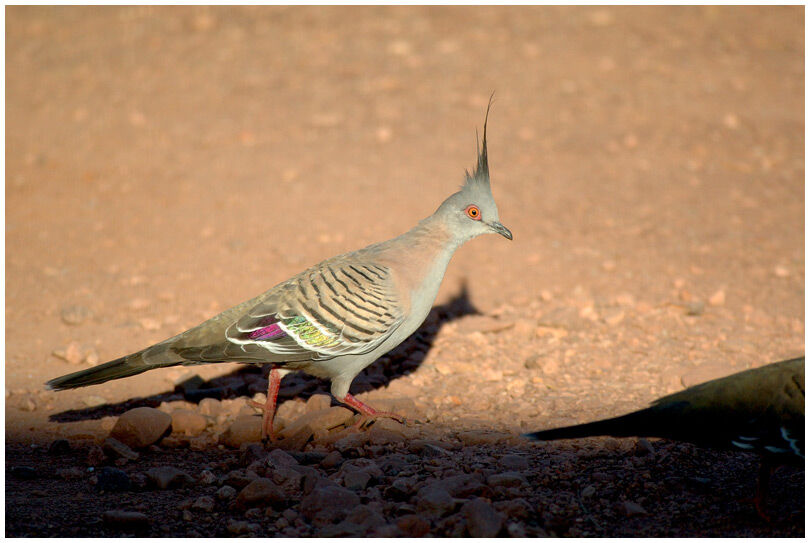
x,y
249,379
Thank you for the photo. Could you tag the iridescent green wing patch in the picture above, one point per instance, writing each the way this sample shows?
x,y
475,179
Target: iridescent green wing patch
x,y
307,332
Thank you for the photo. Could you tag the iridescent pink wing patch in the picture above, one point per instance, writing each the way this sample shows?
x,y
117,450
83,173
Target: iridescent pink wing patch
x,y
272,331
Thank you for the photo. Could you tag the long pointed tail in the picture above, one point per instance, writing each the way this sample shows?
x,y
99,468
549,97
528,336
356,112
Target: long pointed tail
x,y
156,356
638,423
116,369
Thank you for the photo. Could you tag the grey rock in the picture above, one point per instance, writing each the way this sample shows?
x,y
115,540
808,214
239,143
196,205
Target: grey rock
x,y
309,457
226,493
515,529
643,448
513,462
695,308
250,453
365,516
261,492
188,422
432,451
317,402
238,478
482,519
210,406
464,486
75,314
332,460
206,477
400,489
509,479
435,500
165,477
116,449
356,480
59,446
204,503
278,457
357,474
352,441
245,429
289,478
327,504
241,527
141,427
517,508
413,526
632,509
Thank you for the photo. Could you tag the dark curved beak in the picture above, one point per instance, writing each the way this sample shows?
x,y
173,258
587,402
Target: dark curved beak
x,y
501,229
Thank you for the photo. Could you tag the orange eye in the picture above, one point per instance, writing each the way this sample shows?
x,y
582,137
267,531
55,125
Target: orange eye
x,y
473,212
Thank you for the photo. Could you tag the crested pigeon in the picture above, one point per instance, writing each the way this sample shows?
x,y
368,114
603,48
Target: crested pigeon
x,y
335,318
758,410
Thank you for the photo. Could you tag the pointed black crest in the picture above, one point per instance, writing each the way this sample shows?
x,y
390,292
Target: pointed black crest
x,y
481,173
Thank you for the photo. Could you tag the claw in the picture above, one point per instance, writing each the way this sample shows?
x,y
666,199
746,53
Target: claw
x,y
368,413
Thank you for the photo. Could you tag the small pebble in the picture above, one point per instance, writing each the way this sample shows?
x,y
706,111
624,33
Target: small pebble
x,y
632,509
482,519
141,427
261,491
327,504
72,353
245,429
226,493
118,449
188,422
206,477
241,527
204,503
695,308
94,400
332,460
513,462
164,477
75,314
59,446
718,298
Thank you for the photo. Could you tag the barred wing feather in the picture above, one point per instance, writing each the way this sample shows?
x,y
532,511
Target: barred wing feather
x,y
336,308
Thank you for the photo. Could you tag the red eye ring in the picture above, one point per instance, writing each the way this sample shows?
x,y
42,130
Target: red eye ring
x,y
473,212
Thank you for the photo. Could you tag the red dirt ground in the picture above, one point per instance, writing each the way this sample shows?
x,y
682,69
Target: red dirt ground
x,y
164,164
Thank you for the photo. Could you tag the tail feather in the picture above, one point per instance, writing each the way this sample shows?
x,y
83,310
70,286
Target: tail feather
x,y
116,369
638,423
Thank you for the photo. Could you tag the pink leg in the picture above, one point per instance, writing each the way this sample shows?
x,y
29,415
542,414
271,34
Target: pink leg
x,y
763,485
269,407
367,412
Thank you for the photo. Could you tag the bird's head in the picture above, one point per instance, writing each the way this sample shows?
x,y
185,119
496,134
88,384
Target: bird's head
x,y
471,211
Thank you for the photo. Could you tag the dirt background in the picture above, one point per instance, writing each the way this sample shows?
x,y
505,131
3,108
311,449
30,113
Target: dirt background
x,y
164,164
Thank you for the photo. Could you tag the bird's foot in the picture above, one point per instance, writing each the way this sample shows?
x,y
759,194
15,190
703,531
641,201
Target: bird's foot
x,y
368,413
759,504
